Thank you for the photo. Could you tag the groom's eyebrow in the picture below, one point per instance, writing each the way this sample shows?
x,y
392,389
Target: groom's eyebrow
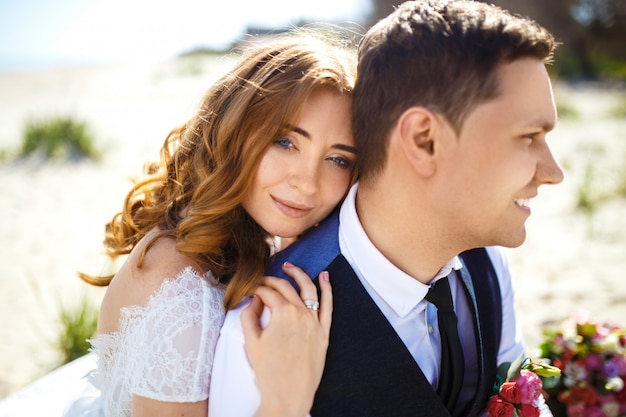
x,y
307,135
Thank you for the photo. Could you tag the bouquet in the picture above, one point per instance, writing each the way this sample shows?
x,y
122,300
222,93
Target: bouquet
x,y
592,360
518,387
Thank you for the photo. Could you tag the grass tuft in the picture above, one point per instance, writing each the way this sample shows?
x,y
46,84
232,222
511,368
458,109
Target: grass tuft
x,y
78,324
58,138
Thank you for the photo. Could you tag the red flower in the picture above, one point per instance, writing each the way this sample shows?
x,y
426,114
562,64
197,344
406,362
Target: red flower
x,y
510,392
586,395
529,410
497,407
559,363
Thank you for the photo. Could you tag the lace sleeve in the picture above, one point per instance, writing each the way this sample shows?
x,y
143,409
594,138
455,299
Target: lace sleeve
x,y
172,340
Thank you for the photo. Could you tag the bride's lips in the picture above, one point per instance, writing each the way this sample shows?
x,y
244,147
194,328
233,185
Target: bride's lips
x,y
290,208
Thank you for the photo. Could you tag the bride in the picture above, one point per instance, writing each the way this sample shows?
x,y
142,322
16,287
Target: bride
x,y
268,155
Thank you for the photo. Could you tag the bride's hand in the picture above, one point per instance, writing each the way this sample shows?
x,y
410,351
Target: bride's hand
x,y
288,355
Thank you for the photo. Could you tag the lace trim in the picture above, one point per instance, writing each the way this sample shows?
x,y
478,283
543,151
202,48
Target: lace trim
x,y
163,350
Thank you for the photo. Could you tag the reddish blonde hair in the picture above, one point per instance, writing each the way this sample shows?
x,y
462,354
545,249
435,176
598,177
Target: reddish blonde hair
x,y
194,194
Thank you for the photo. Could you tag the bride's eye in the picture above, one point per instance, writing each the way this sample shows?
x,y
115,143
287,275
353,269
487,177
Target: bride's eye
x,y
285,142
342,162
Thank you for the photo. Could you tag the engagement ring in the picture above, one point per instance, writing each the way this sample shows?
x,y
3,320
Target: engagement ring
x,y
312,304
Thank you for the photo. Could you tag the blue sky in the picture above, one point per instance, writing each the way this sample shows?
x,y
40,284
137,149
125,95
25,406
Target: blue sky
x,y
44,33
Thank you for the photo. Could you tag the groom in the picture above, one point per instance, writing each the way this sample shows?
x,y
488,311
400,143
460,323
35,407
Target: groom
x,y
451,110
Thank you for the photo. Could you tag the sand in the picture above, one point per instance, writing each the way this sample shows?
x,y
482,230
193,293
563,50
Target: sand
x,y
53,213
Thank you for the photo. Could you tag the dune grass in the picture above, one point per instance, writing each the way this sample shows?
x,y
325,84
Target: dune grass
x,y
78,323
58,138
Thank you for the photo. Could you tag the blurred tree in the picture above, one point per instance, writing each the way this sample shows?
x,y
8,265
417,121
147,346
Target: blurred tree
x,y
588,29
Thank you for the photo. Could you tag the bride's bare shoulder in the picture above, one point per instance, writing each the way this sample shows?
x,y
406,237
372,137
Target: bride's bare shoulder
x,y
134,285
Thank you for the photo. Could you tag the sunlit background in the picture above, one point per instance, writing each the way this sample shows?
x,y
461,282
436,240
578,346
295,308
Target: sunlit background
x,y
116,66
122,67
42,33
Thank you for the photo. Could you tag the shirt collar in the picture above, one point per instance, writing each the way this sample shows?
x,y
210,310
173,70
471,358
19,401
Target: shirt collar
x,y
398,289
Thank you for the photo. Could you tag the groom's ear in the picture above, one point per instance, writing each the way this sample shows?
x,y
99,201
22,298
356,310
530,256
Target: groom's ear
x,y
416,134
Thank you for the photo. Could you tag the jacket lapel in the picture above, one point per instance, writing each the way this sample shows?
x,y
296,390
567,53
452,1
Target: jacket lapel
x,y
479,273
468,286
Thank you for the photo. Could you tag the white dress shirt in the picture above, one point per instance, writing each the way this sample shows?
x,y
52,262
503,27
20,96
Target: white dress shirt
x,y
401,299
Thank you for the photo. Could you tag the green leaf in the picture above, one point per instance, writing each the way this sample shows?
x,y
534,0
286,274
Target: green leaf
x,y
543,369
516,367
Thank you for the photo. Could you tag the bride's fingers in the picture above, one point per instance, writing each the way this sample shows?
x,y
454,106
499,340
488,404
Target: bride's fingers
x,y
250,319
308,291
326,304
281,287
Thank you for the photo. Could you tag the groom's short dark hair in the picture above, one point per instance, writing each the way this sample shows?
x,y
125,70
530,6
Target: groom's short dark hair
x,y
437,54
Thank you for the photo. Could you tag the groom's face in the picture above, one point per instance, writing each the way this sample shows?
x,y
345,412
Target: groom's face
x,y
501,158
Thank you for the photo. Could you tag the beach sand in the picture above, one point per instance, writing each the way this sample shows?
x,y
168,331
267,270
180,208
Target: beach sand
x,y
54,213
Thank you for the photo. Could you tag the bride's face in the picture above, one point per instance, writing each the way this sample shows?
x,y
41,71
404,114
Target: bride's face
x,y
305,174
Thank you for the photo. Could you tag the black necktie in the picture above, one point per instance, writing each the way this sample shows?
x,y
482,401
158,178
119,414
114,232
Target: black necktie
x,y
452,363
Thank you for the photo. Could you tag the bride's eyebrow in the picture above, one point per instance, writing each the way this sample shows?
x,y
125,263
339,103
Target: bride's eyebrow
x,y
343,147
307,135
299,130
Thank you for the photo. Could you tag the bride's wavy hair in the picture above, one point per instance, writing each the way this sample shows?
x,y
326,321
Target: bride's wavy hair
x,y
194,194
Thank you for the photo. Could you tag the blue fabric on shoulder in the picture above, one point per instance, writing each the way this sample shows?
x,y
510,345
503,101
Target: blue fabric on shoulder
x,y
312,252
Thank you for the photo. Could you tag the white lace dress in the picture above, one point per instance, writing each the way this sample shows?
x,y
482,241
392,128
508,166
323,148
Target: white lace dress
x,y
163,350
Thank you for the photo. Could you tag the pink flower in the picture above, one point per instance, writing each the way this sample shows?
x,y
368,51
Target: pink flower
x,y
497,407
576,410
529,410
594,361
509,391
594,411
529,386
